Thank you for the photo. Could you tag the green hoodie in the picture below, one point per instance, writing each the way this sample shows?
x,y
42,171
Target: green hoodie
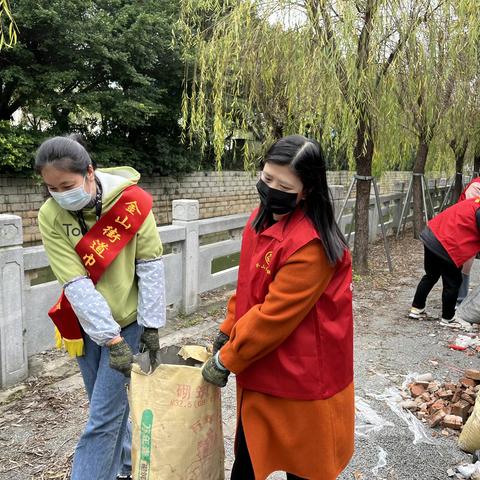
x,y
61,232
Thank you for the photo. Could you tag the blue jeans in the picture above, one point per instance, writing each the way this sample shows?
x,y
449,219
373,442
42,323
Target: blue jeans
x,y
104,449
463,291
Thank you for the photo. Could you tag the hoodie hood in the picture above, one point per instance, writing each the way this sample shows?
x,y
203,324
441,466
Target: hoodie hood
x,y
114,181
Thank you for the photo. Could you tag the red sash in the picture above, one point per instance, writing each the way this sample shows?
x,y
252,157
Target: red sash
x,y
97,249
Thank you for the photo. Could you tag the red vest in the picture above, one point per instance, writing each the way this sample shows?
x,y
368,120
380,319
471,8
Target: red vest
x,y
456,229
462,195
316,361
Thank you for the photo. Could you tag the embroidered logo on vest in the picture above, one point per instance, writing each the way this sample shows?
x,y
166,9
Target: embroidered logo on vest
x,y
266,263
268,257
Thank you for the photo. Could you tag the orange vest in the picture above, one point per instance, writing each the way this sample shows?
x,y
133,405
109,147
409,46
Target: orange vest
x,y
456,229
316,361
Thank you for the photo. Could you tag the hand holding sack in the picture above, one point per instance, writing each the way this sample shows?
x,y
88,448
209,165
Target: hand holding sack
x,y
149,341
121,357
214,372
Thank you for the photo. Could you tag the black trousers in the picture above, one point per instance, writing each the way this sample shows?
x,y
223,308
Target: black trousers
x,y
436,267
242,466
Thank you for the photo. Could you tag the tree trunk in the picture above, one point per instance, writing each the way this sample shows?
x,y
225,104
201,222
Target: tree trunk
x,y
5,115
419,167
8,106
60,115
458,179
459,150
476,165
363,153
7,110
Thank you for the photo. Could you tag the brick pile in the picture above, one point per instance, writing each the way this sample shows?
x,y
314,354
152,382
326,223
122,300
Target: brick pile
x,y
446,405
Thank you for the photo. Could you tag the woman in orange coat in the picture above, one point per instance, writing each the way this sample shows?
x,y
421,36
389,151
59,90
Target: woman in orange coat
x,y
288,334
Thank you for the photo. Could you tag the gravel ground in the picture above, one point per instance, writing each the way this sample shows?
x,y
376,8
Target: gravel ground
x,y
387,347
41,419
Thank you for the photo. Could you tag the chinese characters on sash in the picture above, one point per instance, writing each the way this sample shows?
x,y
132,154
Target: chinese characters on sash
x,y
111,234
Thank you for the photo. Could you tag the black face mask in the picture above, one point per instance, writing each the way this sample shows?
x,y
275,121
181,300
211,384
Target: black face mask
x,y
276,201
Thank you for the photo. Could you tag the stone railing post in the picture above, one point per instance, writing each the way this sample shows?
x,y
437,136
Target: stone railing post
x,y
186,213
13,355
399,187
397,211
373,222
338,195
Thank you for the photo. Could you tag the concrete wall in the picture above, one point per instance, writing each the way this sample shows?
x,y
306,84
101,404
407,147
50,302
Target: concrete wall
x,y
218,193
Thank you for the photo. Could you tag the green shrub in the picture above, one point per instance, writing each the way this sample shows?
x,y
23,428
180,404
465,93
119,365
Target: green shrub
x,y
17,148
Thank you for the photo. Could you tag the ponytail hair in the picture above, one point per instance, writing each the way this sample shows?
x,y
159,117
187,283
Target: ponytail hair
x,y
64,153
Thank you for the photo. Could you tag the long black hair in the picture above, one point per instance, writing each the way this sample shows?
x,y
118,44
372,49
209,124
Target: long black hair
x,y
305,158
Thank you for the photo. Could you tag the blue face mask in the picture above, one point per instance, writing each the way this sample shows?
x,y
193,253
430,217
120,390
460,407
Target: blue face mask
x,y
74,199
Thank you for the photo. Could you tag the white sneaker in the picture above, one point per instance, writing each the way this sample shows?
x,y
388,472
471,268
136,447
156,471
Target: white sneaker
x,y
449,323
457,323
417,313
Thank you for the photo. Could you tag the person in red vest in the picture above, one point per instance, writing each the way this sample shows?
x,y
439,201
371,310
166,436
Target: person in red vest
x,y
288,332
450,240
470,191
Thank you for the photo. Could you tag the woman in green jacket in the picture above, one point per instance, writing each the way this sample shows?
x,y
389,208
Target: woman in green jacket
x,y
113,310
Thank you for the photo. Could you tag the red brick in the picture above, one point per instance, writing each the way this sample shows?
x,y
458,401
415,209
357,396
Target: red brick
x,y
445,394
457,395
438,405
468,398
460,409
436,418
426,396
472,374
468,382
433,387
453,421
424,407
417,390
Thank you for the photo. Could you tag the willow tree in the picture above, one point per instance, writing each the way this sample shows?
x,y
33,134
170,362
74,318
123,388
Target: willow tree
x,y
365,39
458,141
8,28
314,67
462,134
476,153
253,72
428,79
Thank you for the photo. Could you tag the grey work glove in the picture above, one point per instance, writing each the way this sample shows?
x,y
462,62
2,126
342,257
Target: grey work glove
x,y
121,357
219,342
150,341
214,372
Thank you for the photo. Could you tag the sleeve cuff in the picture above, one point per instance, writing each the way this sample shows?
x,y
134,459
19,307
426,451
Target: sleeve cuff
x,y
219,363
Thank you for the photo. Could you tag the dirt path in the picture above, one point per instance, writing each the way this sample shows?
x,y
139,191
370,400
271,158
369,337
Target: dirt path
x,y
42,418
